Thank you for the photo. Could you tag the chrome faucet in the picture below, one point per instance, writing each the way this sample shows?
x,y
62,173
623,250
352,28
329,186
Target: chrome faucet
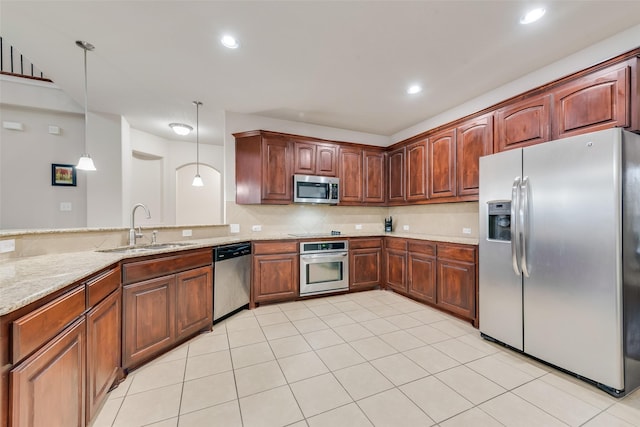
x,y
132,231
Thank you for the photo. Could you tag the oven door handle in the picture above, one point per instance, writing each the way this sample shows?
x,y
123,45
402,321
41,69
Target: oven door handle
x,y
324,257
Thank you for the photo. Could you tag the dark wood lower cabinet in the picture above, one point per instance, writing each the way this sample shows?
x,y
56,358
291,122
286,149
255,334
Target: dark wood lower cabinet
x,y
48,388
456,287
441,274
149,324
194,301
396,269
422,276
365,263
103,350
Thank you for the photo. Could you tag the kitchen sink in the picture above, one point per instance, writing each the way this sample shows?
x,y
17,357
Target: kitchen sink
x,y
145,248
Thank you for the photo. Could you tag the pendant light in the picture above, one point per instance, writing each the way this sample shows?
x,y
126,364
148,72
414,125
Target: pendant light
x,y
85,163
197,180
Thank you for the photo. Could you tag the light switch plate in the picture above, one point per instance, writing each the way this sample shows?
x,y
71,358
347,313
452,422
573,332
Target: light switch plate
x,y
234,228
405,227
358,226
65,206
187,233
466,231
256,228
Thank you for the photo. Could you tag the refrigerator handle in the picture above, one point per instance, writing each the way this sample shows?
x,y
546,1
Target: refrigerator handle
x,y
524,225
515,229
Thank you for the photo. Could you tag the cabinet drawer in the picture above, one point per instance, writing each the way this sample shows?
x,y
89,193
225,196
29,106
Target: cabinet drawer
x,y
396,243
365,243
266,248
458,253
156,267
425,248
100,286
38,327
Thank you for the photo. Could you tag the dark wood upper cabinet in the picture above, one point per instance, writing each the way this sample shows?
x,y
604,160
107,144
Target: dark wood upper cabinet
x,y
442,164
310,158
524,123
373,186
474,139
416,166
350,173
597,101
396,175
264,172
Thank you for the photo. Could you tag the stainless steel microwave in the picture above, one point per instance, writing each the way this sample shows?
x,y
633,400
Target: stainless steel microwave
x,y
316,189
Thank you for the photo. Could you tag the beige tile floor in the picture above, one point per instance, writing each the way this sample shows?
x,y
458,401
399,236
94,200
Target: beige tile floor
x,y
365,359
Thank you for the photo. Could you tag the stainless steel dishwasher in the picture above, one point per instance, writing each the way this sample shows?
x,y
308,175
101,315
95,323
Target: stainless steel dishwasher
x,y
232,278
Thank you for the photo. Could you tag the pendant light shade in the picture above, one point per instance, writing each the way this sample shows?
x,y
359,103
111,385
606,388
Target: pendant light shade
x,y
197,180
86,162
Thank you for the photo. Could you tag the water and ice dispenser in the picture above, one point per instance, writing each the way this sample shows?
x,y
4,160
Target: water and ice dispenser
x,y
500,220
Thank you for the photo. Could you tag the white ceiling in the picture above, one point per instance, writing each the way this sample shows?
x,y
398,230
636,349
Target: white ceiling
x,y
344,64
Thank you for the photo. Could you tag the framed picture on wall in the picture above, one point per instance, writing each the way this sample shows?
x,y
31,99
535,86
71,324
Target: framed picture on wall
x,y
64,175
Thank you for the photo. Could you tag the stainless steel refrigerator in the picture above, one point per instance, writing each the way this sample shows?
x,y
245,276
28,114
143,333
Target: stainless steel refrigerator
x,y
560,254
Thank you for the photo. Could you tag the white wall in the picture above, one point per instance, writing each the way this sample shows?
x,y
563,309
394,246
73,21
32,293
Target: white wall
x,y
104,186
174,154
28,200
199,205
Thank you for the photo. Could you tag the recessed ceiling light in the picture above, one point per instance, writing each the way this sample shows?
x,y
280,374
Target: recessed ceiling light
x,y
180,128
413,89
532,16
230,42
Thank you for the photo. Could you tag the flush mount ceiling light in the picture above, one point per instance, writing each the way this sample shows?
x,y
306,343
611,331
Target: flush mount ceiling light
x,y
181,128
532,16
85,163
197,181
229,42
413,89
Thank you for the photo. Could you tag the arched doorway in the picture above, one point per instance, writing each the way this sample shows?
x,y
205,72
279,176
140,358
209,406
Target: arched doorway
x,y
198,205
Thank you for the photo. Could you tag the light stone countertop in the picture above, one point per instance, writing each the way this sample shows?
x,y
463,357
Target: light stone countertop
x,y
25,280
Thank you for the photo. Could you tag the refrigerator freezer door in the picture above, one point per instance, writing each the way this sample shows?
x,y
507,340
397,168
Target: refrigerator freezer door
x,y
500,299
572,298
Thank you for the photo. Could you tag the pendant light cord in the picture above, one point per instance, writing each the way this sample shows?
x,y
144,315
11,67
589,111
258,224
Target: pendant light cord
x,y
197,104
86,104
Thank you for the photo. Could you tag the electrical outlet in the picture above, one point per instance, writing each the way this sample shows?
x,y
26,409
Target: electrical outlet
x,y
405,227
256,228
234,228
466,231
187,233
7,246
358,226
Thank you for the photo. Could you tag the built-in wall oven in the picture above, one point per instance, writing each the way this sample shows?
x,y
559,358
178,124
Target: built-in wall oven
x,y
324,267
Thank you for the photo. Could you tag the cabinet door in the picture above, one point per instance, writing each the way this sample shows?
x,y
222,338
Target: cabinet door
x,y
275,277
326,160
457,287
442,164
396,175
474,139
373,177
103,350
194,301
597,101
422,276
304,158
417,170
277,179
149,319
524,123
48,388
396,269
365,268
350,175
